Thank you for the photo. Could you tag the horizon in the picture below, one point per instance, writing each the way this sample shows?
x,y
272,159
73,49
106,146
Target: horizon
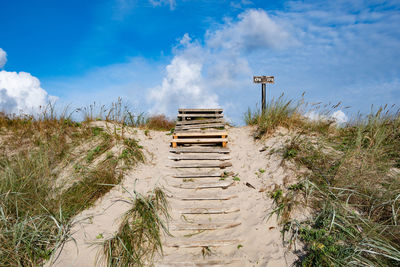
x,y
163,55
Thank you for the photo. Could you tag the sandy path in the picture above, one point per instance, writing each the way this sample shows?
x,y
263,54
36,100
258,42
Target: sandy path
x,y
257,241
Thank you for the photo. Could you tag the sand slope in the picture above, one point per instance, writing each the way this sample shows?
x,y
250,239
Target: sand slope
x,y
257,241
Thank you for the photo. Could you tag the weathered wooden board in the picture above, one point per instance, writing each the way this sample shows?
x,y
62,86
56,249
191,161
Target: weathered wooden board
x,y
202,243
203,226
200,126
218,150
200,115
210,133
194,185
191,122
198,175
201,263
199,157
211,210
193,110
199,140
199,197
202,165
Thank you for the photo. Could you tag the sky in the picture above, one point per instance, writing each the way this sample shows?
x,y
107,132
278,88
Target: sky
x,y
161,55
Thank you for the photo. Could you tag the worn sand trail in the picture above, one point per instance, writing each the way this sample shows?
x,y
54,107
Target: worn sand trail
x,y
239,227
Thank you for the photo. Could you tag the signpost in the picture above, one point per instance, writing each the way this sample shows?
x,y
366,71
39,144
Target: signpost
x,y
263,80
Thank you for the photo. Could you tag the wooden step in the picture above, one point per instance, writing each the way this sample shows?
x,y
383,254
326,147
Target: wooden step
x,y
194,185
199,157
199,263
204,121
203,226
202,243
199,126
199,140
209,210
194,149
209,133
198,175
200,110
200,115
201,197
202,165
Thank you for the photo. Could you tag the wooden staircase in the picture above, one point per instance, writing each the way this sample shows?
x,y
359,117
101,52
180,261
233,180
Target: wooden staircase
x,y
200,126
202,201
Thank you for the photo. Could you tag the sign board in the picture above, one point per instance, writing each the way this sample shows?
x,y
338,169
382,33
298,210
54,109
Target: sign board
x,y
263,79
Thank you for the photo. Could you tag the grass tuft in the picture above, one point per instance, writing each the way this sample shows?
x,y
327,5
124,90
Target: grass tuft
x,y
139,236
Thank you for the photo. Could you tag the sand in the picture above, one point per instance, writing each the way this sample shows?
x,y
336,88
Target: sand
x,y
256,241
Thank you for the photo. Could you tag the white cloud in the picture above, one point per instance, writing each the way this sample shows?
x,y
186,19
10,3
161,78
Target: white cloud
x,y
21,93
182,87
3,58
171,3
338,117
201,72
254,30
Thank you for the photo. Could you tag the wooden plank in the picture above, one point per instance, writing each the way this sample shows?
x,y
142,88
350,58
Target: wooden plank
x,y
200,115
191,122
199,157
200,126
202,243
206,197
191,110
198,175
202,165
205,263
194,185
199,140
210,133
218,150
203,226
210,210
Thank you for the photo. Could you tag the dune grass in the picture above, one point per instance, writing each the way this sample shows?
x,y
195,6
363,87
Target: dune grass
x,y
139,236
35,215
352,186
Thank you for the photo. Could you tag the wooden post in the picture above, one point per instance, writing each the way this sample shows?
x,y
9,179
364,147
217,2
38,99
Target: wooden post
x,y
263,97
174,144
224,143
263,80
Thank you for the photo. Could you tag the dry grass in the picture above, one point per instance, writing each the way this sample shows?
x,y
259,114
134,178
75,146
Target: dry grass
x,y
160,123
353,186
35,214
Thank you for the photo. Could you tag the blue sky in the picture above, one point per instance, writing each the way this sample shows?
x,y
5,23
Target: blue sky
x,y
159,55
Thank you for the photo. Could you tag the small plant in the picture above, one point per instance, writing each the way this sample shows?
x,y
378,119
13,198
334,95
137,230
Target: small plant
x,y
236,178
146,132
239,246
261,170
139,236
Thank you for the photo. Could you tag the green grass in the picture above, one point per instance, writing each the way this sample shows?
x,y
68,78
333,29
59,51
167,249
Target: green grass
x,y
352,189
35,214
139,237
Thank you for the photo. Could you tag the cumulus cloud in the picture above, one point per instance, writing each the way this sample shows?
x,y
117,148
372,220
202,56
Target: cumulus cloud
x,y
338,117
183,86
253,30
3,58
20,92
201,71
